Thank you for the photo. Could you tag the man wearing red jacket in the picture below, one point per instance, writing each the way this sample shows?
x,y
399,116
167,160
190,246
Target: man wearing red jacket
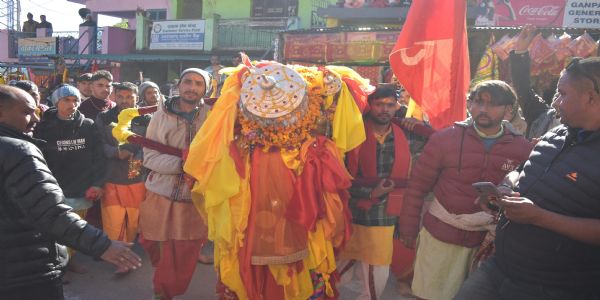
x,y
483,148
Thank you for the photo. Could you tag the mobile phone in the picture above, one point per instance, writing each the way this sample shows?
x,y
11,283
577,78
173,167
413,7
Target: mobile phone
x,y
485,189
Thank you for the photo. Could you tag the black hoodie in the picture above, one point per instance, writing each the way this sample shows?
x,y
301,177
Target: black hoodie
x,y
73,151
118,169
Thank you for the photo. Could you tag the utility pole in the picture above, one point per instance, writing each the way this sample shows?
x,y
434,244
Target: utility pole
x,y
10,14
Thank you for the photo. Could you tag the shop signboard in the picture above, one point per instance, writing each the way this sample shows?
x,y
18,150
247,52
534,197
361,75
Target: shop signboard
x,y
541,13
340,47
582,14
274,8
177,35
40,46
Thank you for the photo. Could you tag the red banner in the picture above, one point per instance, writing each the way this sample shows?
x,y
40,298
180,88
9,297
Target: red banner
x,y
340,47
431,59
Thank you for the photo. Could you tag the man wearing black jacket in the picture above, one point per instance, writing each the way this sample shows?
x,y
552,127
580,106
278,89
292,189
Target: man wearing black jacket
x,y
33,216
548,236
73,149
540,117
73,152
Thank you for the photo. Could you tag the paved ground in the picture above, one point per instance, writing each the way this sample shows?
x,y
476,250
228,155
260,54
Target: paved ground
x,y
101,284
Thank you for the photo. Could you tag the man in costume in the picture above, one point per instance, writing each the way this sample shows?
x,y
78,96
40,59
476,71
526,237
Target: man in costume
x,y
274,190
377,165
548,238
480,149
172,231
124,189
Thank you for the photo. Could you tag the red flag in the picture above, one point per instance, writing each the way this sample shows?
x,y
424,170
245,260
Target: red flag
x,y
431,59
94,67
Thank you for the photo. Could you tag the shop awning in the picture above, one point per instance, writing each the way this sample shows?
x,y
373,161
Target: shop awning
x,y
136,57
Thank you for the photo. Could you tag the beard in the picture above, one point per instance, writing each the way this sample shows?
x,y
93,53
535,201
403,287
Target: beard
x,y
190,101
382,120
487,122
190,97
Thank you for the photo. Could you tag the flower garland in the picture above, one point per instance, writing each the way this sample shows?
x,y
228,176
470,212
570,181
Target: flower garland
x,y
315,120
283,137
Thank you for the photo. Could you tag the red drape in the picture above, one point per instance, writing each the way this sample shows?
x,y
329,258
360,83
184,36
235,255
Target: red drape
x,y
431,59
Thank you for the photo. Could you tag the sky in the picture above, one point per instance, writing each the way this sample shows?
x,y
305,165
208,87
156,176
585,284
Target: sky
x,y
61,13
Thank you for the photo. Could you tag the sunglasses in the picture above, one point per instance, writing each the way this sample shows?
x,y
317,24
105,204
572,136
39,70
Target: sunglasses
x,y
575,66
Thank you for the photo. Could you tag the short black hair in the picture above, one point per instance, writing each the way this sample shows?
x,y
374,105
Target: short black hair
x,y
383,91
126,86
102,74
26,85
587,69
84,77
501,92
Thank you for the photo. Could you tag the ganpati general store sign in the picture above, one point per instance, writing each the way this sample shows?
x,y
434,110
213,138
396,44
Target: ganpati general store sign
x,y
542,13
582,14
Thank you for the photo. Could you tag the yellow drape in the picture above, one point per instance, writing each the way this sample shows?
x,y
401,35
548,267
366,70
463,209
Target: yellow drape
x,y
121,132
212,141
348,127
219,193
414,110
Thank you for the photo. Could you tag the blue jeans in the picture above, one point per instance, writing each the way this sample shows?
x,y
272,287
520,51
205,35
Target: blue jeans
x,y
490,283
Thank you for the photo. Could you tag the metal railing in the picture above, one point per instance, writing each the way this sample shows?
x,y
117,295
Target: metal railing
x,y
73,34
239,34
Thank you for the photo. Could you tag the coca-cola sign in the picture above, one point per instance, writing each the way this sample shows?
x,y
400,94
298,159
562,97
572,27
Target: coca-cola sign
x,y
542,13
546,10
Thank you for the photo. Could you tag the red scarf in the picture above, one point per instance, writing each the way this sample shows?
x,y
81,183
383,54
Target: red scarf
x,y
362,160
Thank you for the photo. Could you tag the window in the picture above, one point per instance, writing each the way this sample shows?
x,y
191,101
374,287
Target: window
x,y
157,14
190,9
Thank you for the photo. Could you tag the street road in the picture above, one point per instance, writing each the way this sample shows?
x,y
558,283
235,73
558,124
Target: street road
x,y
100,283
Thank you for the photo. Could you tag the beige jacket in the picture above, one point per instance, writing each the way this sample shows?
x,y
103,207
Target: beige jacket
x,y
166,171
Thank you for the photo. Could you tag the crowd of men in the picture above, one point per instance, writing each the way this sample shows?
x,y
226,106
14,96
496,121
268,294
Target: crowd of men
x,y
538,239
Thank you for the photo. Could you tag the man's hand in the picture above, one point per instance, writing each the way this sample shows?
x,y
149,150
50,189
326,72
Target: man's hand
x,y
525,37
383,188
521,210
488,203
124,154
93,193
491,204
120,255
189,180
409,123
